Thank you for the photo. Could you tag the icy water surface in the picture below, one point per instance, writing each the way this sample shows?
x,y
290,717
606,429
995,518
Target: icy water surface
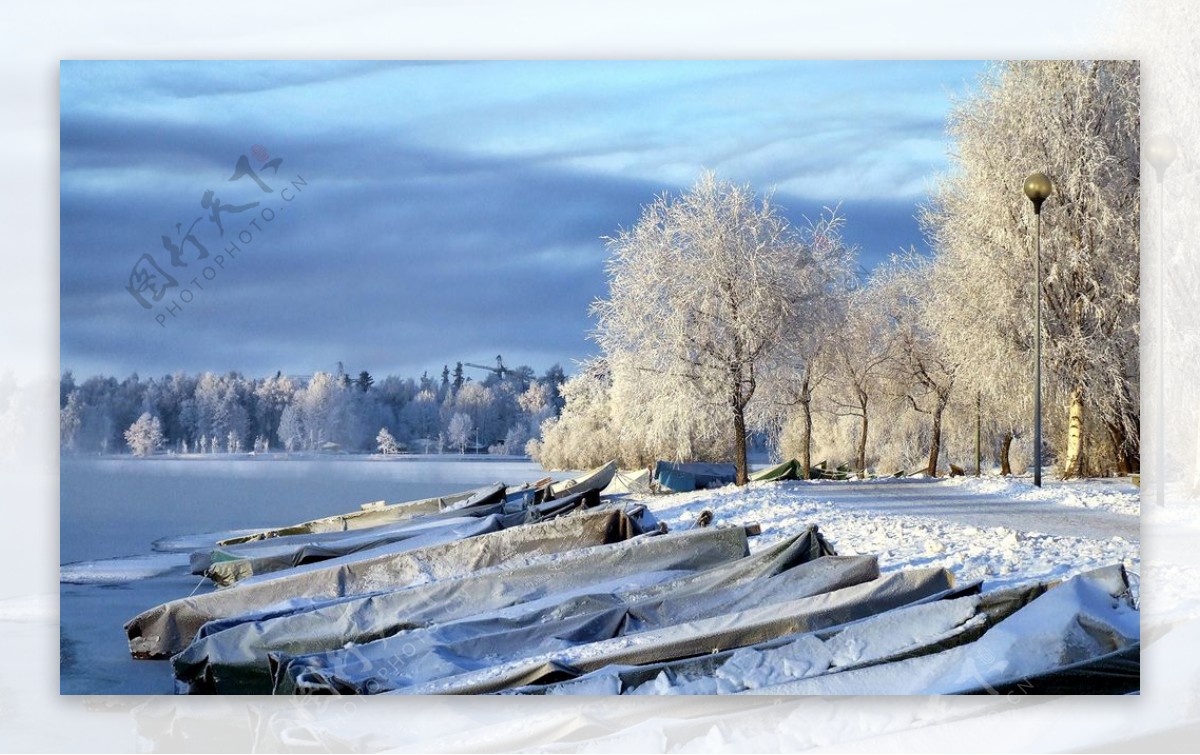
x,y
124,527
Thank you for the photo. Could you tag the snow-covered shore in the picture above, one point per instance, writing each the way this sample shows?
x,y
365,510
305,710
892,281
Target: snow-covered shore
x,y
1002,531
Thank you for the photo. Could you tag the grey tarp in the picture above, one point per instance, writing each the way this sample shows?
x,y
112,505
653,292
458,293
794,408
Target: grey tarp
x,y
241,561
786,570
927,626
705,635
230,656
232,563
166,629
371,515
1087,619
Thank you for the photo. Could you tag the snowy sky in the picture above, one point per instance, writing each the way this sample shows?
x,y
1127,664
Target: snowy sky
x,y
448,211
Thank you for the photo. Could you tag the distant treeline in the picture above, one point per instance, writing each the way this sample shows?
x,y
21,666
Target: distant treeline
x,y
229,412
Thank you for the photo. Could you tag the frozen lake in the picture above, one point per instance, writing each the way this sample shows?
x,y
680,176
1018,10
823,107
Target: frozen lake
x,y
116,508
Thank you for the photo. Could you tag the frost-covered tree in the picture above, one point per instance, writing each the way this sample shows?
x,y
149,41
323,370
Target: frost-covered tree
x,y
861,355
386,443
583,435
1077,121
458,432
70,420
145,435
420,416
324,409
921,370
479,403
805,360
272,395
290,431
704,289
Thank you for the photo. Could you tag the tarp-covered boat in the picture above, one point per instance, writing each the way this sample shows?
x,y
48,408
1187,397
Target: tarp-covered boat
x,y
371,515
684,478
231,655
788,470
1084,633
629,481
795,566
596,479
166,629
689,638
229,564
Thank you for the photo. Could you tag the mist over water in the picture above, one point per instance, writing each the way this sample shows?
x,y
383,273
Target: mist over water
x,y
118,507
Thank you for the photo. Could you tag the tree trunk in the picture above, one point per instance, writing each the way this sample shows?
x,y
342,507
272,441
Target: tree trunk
x,y
1005,449
862,446
935,440
739,439
1074,465
806,448
1125,456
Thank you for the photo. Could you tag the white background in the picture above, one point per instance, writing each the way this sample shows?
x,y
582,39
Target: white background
x,y
34,37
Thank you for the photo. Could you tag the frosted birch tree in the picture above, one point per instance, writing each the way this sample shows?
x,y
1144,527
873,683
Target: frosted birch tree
x,y
458,432
145,435
704,289
1077,121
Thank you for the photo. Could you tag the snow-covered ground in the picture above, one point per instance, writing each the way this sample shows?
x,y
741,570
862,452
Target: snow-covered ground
x,y
1002,531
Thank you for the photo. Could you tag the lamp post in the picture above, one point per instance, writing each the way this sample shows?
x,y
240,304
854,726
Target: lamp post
x,y
1161,151
1038,189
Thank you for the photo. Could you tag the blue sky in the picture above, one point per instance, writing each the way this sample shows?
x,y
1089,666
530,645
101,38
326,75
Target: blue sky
x,y
439,212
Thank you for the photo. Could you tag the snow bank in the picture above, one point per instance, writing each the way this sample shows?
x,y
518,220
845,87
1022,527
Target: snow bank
x,y
1118,495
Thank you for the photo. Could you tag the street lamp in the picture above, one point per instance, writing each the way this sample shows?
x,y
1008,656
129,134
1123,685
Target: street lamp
x,y
1160,151
1038,189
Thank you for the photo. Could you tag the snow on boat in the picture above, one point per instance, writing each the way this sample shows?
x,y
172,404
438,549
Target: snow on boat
x,y
688,638
596,479
373,514
796,566
544,589
1081,634
112,571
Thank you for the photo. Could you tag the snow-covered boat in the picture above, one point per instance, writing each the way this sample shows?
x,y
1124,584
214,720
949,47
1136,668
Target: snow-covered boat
x,y
166,629
374,514
232,655
595,479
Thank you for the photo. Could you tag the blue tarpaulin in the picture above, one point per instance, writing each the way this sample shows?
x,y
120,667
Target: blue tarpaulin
x,y
681,478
